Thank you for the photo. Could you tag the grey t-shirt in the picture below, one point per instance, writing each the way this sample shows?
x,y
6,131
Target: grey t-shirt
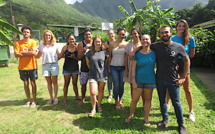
x,y
98,67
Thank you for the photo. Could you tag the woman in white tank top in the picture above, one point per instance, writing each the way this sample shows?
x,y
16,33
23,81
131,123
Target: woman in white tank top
x,y
117,66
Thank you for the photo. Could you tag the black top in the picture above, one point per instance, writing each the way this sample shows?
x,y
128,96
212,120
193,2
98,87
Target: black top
x,y
70,64
98,68
167,59
84,67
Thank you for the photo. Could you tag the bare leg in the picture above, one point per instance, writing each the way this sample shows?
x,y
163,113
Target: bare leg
x,y
65,88
75,87
101,86
27,90
93,92
34,90
148,103
188,93
49,84
55,84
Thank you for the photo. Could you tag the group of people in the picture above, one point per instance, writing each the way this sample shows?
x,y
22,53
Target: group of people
x,y
115,62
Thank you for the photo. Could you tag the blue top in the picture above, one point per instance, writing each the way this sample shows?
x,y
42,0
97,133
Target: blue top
x,y
145,67
191,43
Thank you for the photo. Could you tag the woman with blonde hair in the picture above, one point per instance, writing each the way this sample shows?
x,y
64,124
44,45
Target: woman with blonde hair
x,y
50,53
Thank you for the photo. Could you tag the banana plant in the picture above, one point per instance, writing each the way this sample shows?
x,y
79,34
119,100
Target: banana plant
x,y
6,29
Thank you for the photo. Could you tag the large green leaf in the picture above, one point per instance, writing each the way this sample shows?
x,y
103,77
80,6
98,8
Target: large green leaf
x,y
122,9
2,3
5,38
133,7
8,26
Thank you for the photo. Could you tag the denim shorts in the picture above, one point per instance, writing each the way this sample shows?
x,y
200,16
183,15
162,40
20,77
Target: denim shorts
x,y
145,85
51,69
69,73
94,80
25,75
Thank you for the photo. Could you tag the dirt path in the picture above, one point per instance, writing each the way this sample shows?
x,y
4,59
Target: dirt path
x,y
208,78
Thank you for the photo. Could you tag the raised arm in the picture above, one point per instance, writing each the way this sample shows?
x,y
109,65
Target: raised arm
x,y
61,54
81,50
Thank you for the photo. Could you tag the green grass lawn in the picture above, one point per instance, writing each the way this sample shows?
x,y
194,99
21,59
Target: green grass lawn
x,y
48,118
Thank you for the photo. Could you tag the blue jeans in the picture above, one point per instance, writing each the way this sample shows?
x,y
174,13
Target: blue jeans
x,y
174,92
117,73
110,83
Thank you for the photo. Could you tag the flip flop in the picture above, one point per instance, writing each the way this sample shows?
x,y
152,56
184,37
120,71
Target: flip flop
x,y
92,114
118,107
147,123
122,106
128,119
27,105
55,101
63,104
49,101
99,109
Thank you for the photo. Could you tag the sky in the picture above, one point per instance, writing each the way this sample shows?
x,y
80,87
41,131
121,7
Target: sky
x,y
72,1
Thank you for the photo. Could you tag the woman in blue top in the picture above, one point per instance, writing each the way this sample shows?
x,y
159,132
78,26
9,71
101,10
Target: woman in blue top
x,y
143,78
183,37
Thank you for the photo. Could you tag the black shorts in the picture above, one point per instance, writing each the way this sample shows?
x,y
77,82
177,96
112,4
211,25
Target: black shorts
x,y
25,75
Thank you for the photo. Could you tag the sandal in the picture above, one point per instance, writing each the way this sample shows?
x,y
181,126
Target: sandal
x,y
92,114
33,105
122,106
118,107
27,105
80,102
63,104
49,101
99,109
128,119
147,123
55,101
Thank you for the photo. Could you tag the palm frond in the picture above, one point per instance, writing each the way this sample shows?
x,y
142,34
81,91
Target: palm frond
x,y
122,9
5,38
8,26
133,7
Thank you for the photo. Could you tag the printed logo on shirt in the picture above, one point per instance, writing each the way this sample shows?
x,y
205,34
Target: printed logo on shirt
x,y
25,49
172,53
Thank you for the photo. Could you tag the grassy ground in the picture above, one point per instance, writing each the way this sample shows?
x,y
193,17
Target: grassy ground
x,y
48,118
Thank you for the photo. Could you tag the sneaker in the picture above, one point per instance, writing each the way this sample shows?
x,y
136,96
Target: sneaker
x,y
109,98
192,116
182,129
27,105
162,124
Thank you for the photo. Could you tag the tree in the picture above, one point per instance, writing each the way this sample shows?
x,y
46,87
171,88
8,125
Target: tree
x,y
151,16
6,28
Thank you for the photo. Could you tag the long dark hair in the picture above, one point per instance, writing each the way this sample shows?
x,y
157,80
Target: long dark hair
x,y
186,34
68,38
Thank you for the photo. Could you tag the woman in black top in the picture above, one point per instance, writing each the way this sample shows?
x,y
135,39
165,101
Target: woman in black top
x,y
70,67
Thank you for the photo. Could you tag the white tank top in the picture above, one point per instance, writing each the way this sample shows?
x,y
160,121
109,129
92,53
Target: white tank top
x,y
118,57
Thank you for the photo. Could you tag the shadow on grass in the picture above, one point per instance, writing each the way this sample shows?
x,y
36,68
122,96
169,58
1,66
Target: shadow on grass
x,y
209,95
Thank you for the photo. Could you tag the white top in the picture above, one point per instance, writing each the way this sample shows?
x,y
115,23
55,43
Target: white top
x,y
49,54
118,57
